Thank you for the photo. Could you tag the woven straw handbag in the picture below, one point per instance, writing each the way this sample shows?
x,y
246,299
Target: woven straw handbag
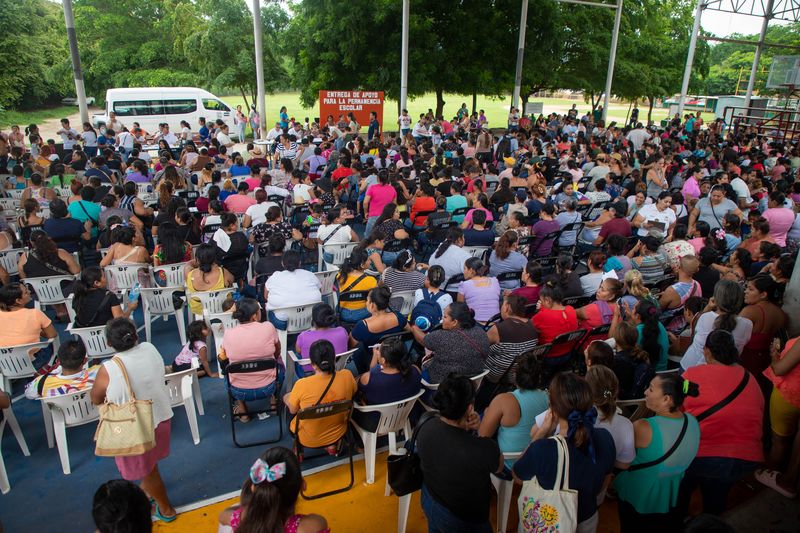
x,y
125,429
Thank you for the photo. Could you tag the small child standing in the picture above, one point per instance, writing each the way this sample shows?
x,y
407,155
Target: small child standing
x,y
197,333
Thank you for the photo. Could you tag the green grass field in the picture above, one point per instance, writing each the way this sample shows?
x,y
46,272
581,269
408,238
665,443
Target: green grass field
x,y
10,118
496,109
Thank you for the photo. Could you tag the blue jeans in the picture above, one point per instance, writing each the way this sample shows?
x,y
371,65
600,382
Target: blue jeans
x,y
277,322
715,476
249,395
353,315
441,520
370,224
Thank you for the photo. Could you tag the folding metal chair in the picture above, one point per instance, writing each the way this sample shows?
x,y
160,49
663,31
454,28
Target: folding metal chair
x,y
247,367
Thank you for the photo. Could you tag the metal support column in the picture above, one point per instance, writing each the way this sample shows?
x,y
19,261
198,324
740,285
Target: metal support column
x,y
757,57
404,58
80,91
523,23
612,57
262,102
687,71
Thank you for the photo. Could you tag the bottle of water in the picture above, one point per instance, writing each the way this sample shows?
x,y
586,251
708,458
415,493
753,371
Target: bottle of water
x,y
133,295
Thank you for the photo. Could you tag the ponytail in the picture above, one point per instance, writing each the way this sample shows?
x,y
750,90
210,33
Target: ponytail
x,y
503,247
476,265
84,284
454,234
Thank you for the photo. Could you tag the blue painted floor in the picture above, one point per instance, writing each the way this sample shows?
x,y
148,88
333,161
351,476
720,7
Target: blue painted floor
x,y
43,499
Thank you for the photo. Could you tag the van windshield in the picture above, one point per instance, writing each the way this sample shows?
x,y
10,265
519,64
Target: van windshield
x,y
213,104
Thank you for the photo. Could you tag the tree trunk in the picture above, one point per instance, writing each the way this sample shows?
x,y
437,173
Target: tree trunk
x,y
591,99
474,101
439,101
244,96
651,99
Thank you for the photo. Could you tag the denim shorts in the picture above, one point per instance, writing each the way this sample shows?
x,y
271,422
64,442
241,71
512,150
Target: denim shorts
x,y
249,395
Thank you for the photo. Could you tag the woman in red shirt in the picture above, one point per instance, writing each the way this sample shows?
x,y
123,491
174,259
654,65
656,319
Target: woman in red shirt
x,y
730,438
554,318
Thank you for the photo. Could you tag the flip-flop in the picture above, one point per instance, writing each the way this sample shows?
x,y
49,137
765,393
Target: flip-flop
x,y
163,518
769,478
244,419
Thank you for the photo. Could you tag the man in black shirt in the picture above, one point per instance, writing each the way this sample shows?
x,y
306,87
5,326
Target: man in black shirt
x,y
478,234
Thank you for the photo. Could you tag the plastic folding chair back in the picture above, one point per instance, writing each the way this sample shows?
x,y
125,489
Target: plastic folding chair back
x,y
477,251
342,409
476,381
69,410
211,301
566,342
298,319
514,275
339,253
160,302
9,260
341,361
247,367
327,279
95,341
15,363
48,290
173,275
9,205
184,389
124,277
218,323
393,418
407,304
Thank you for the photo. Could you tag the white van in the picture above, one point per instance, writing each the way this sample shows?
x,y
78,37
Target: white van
x,y
151,106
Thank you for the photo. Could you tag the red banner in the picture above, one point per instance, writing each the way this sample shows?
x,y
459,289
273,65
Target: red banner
x,y
360,103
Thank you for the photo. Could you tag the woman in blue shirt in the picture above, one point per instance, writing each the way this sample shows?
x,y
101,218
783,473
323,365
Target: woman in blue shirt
x,y
284,119
382,321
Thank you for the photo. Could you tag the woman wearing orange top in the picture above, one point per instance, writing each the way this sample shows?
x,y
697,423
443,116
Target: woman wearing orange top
x,y
553,317
759,234
761,295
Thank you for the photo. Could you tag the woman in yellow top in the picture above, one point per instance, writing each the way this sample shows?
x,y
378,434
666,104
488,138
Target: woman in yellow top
x,y
325,386
351,278
208,276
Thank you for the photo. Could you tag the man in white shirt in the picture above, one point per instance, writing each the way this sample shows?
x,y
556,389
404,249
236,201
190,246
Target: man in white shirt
x,y
638,136
114,124
275,132
165,134
744,200
404,121
420,131
223,137
68,135
297,131
124,142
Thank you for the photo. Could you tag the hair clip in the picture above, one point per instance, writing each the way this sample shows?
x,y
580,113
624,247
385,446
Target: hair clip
x,y
261,471
686,386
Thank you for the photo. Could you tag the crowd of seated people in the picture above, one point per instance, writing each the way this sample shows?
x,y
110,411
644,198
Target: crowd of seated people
x,y
679,271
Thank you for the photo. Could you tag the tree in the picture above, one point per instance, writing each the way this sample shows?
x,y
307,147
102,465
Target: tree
x,y
33,41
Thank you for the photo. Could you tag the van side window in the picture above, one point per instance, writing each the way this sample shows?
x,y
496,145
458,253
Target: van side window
x,y
136,108
215,105
179,107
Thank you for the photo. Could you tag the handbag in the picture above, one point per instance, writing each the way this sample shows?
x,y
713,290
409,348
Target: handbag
x,y
404,471
545,511
125,429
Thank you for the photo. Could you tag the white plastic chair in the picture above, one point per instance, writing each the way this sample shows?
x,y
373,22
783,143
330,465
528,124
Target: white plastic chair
x,y
69,410
124,277
95,341
48,290
393,418
15,363
158,302
217,324
8,417
9,205
16,193
476,251
211,301
408,301
145,191
476,381
340,362
9,260
63,192
327,279
298,318
504,488
340,253
184,389
174,274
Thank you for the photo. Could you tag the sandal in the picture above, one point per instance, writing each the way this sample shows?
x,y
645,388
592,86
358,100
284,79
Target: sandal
x,y
769,478
237,410
163,518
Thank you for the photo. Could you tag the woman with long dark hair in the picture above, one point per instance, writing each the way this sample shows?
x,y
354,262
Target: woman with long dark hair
x,y
572,417
93,303
450,254
479,291
171,248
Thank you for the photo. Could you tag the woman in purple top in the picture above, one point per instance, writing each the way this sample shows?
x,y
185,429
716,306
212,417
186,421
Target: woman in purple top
x,y
480,292
323,320
547,224
139,174
391,378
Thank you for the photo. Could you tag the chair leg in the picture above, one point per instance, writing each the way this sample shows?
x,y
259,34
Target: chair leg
x,y
404,504
5,486
181,325
63,450
148,325
370,450
188,404
48,425
17,431
504,490
198,397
